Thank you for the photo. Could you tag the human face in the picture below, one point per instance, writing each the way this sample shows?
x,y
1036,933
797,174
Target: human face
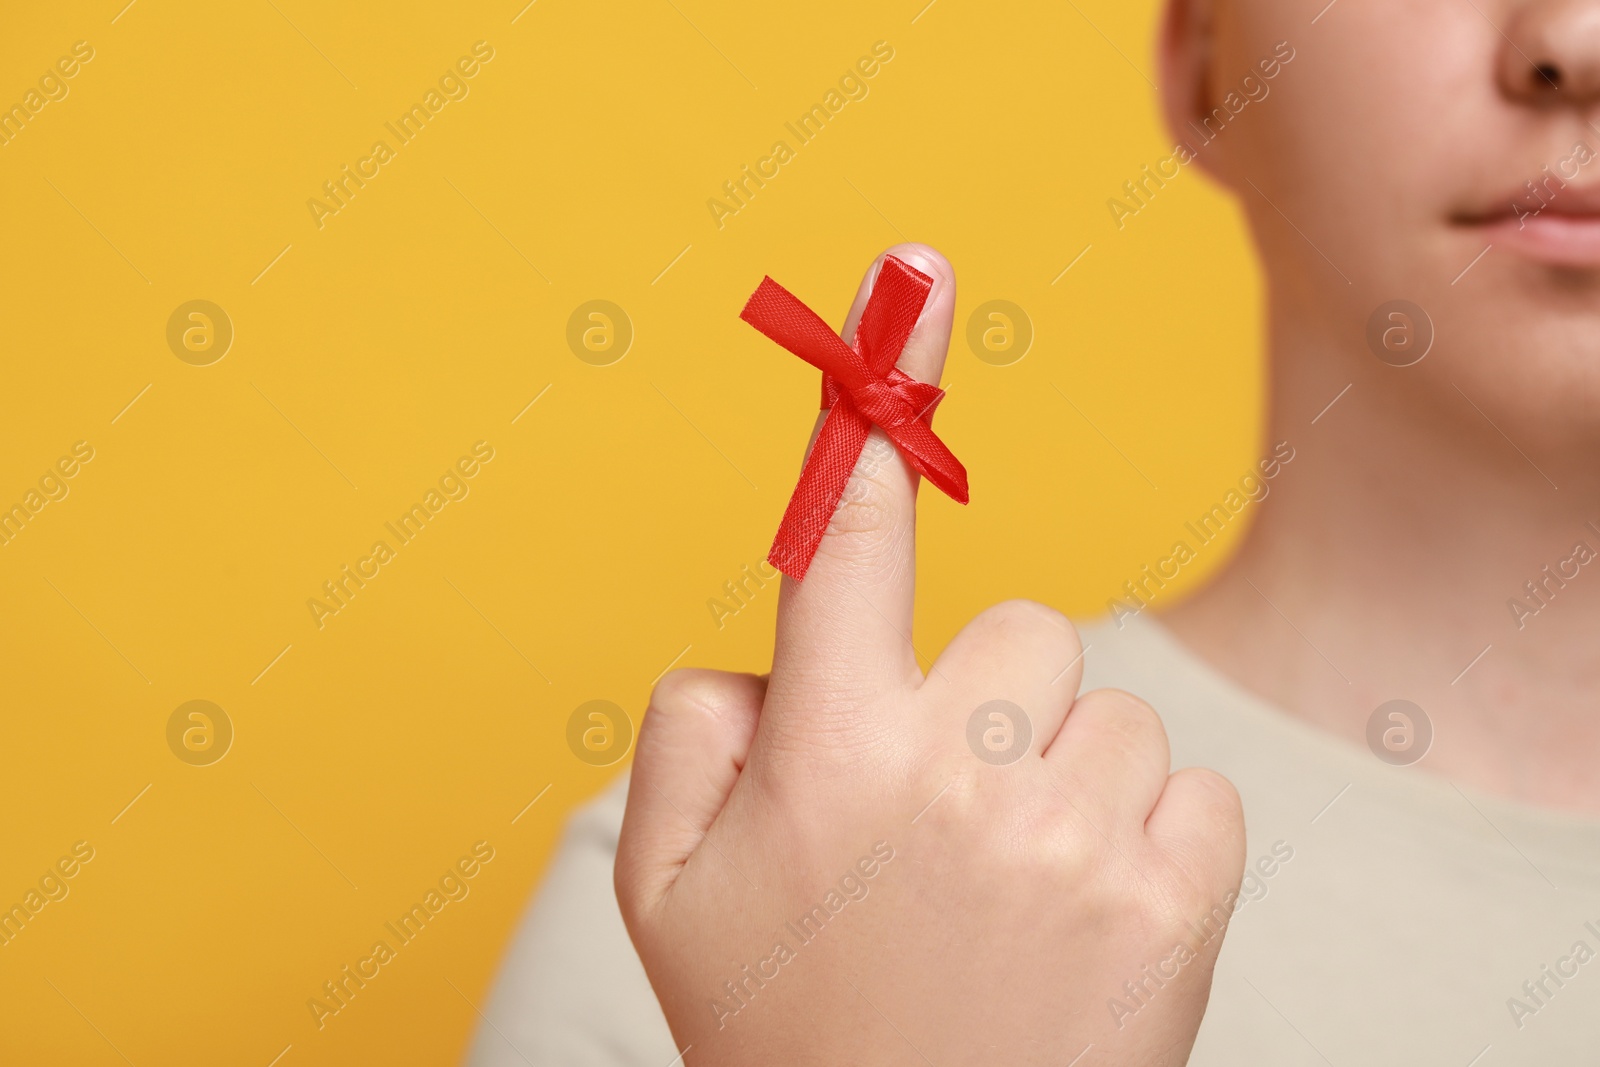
x,y
1443,152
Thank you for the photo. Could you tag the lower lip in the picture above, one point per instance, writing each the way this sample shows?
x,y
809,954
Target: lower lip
x,y
1555,240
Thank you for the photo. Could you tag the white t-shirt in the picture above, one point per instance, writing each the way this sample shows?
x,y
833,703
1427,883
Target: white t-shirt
x,y
1405,921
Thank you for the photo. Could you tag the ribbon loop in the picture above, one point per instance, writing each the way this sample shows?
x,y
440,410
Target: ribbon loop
x,y
861,388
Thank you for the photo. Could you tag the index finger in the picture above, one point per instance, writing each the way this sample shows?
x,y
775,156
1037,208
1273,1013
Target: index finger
x,y
847,626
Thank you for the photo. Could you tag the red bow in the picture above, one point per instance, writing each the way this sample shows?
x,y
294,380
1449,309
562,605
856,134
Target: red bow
x,y
861,387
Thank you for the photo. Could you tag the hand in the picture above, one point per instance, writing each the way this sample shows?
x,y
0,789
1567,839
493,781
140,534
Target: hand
x,y
851,863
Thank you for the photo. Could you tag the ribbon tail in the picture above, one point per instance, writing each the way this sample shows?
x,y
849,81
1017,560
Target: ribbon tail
x,y
822,483
930,458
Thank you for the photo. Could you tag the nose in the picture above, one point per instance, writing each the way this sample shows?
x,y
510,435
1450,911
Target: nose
x,y
1551,53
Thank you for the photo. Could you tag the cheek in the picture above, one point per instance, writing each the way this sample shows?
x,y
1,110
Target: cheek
x,y
1365,125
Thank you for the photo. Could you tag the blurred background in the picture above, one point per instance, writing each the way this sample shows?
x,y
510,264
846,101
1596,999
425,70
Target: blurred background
x,y
274,341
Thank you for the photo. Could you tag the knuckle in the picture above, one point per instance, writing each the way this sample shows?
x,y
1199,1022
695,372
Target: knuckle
x,y
1088,862
872,499
1077,851
691,690
1212,851
693,709
1218,797
1012,621
1125,719
864,511
1219,820
867,539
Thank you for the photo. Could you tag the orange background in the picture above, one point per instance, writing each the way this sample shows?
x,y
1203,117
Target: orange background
x,y
369,354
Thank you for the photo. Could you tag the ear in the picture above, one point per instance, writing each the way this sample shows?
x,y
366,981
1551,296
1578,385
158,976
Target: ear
x,y
1186,55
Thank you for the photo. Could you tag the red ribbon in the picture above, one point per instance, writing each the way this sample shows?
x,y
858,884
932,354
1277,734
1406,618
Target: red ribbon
x,y
861,388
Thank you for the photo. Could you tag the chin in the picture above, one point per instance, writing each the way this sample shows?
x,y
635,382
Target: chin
x,y
1534,372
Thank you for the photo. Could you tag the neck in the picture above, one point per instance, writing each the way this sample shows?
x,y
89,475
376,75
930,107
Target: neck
x,y
1393,559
